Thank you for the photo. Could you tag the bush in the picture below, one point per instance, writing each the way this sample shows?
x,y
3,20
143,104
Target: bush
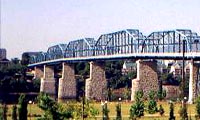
x,y
183,112
118,111
137,109
152,105
5,110
105,111
22,110
171,113
1,112
50,107
14,112
161,110
198,107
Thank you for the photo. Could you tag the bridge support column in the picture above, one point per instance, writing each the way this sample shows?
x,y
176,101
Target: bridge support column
x,y
96,84
193,81
67,84
38,72
147,78
48,81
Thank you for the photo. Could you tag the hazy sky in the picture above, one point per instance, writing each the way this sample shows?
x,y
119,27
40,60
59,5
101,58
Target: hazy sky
x,y
35,25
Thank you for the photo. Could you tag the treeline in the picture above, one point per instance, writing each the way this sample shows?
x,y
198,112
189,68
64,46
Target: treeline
x,y
13,78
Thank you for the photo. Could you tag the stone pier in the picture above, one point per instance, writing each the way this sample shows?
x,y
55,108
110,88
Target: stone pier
x,y
147,78
48,81
38,72
67,84
193,82
96,85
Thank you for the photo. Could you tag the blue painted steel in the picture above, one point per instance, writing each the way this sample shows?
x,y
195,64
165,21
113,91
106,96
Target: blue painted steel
x,y
128,41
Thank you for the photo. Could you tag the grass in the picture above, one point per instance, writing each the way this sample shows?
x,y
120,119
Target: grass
x,y
125,106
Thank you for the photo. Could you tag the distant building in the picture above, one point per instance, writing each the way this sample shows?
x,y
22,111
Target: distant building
x,y
128,66
2,53
3,60
162,68
176,68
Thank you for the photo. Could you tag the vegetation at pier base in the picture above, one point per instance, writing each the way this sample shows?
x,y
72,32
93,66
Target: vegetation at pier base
x,y
51,108
55,111
22,110
14,112
118,111
3,112
198,107
161,110
183,112
171,113
137,109
152,105
105,111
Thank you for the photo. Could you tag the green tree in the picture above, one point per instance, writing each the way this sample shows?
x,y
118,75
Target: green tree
x,y
118,111
152,104
14,112
36,85
137,109
105,111
13,77
183,111
50,107
171,113
89,110
5,110
22,110
1,112
161,110
198,107
127,93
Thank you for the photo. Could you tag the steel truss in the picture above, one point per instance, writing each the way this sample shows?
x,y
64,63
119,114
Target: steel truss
x,y
124,42
172,41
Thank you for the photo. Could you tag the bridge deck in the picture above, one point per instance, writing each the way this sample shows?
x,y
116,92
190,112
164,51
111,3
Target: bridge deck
x,y
177,56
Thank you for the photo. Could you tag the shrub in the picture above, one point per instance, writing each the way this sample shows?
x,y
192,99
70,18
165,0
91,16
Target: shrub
x,y
89,111
171,113
1,112
105,111
5,110
198,107
22,110
161,110
183,112
152,105
51,108
14,112
118,111
137,109
93,112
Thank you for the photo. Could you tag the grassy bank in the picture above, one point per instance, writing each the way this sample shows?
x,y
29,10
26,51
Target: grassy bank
x,y
125,107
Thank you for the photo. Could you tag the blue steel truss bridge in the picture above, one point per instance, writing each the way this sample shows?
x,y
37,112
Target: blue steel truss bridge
x,y
124,44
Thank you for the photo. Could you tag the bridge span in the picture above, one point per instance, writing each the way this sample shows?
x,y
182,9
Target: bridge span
x,y
175,44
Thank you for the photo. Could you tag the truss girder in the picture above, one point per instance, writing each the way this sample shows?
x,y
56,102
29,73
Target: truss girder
x,y
124,42
80,48
56,52
172,41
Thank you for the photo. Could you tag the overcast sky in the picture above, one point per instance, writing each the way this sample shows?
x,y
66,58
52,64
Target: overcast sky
x,y
35,25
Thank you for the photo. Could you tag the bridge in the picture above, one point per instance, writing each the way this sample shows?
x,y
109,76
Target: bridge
x,y
125,44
